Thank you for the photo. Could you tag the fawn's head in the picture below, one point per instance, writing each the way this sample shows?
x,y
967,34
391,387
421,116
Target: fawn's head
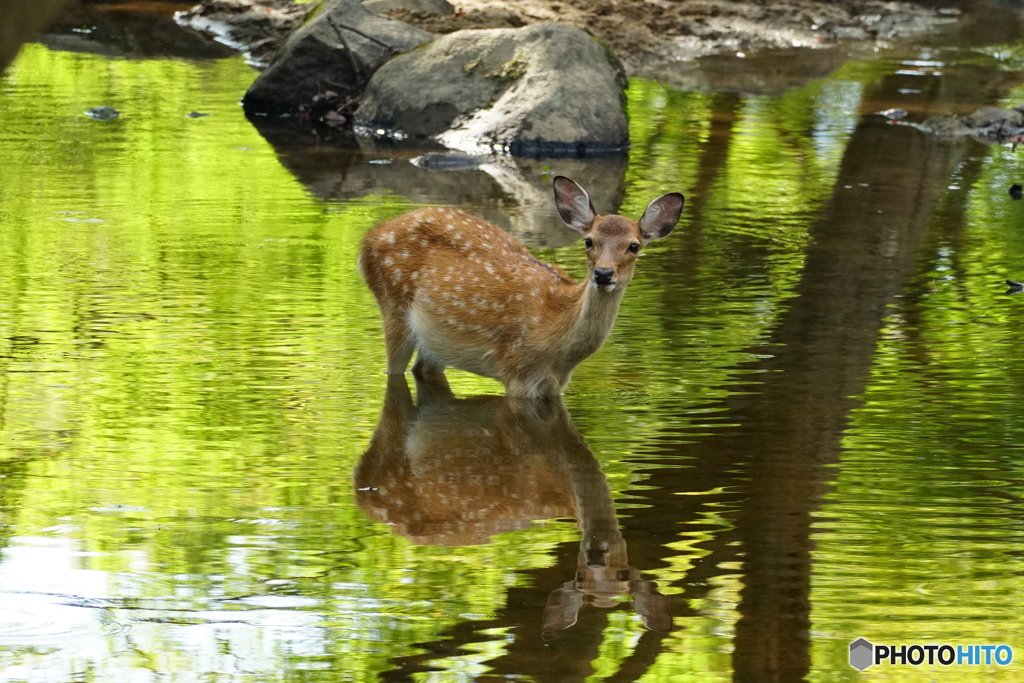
x,y
613,242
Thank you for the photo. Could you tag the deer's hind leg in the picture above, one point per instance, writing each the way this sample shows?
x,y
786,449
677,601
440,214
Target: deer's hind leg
x,y
399,340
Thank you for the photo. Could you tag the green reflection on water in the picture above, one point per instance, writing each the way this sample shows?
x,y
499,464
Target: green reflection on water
x,y
922,532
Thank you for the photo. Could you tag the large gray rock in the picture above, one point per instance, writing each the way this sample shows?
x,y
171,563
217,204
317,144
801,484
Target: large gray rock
x,y
338,48
547,89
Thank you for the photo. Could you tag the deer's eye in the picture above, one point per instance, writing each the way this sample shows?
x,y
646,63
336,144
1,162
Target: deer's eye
x,y
634,247
589,242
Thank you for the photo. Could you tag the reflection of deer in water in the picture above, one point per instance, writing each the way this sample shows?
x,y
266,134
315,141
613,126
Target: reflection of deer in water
x,y
449,471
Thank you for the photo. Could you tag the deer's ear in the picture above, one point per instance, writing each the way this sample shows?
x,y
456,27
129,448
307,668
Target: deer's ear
x,y
573,204
661,216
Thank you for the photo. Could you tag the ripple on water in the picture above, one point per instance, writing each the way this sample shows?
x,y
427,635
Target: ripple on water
x,y
46,619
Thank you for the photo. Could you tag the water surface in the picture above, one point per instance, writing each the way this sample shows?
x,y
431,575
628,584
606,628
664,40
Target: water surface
x,y
804,429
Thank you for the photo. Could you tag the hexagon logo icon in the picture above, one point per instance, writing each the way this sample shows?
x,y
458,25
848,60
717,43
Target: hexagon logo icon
x,y
862,654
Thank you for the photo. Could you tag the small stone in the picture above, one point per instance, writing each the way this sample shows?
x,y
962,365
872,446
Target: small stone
x,y
440,7
985,117
894,114
103,113
449,161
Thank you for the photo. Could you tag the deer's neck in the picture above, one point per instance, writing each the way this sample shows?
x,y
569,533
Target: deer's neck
x,y
590,319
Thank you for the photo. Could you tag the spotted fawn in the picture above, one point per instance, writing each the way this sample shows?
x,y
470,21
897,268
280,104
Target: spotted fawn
x,y
462,292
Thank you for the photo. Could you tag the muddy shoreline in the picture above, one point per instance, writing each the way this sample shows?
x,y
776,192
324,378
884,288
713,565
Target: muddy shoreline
x,y
652,35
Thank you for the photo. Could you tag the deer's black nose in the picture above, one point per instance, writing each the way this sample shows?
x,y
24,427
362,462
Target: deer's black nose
x,y
603,276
